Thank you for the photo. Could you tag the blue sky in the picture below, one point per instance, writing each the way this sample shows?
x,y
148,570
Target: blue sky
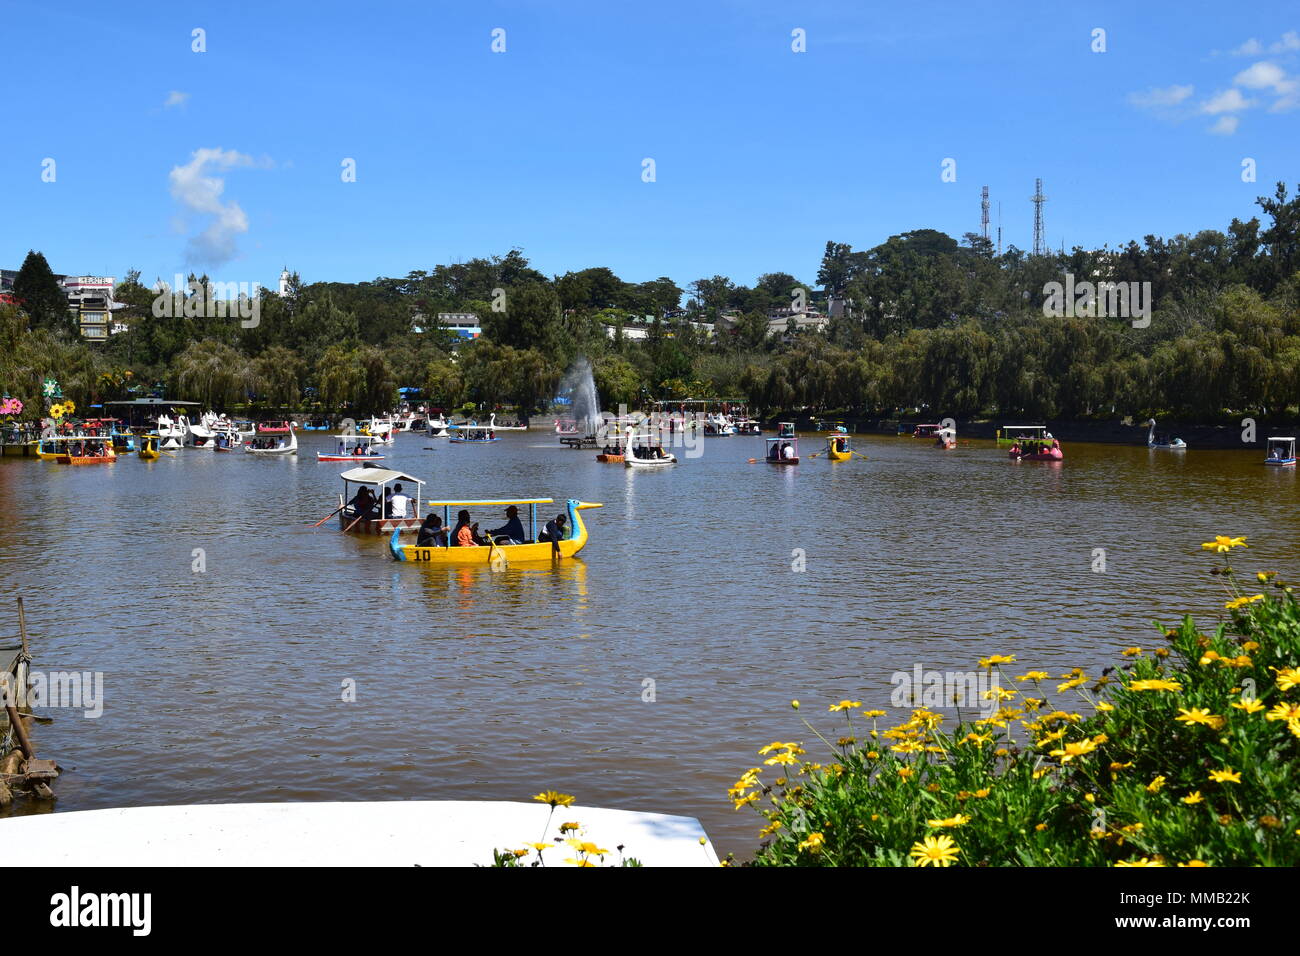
x,y
761,154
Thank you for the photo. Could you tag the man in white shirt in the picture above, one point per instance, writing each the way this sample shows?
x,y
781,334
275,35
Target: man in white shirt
x,y
398,503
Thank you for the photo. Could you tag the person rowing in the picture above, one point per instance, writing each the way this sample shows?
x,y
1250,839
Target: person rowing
x,y
554,532
513,529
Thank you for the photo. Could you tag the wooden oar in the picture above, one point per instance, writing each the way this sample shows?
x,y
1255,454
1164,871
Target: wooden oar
x,y
328,516
354,524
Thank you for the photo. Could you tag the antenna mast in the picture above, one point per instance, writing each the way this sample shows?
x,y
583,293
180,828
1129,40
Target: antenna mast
x,y
984,213
1040,238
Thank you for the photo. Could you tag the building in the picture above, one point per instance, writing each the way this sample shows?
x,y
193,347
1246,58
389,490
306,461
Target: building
x,y
90,300
778,321
464,324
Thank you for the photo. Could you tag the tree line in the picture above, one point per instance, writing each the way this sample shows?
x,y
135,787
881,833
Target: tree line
x,y
922,320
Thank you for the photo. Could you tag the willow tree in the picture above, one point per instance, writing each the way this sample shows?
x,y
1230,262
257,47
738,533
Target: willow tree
x,y
213,372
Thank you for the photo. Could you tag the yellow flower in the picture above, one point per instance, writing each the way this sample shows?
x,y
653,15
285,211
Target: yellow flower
x,y
982,793
539,847
813,844
1250,706
1222,544
987,662
1131,651
1105,707
782,758
1284,712
1154,685
934,851
1142,862
906,773
873,713
1071,684
1193,797
846,705
1034,676
794,704
581,862
1194,863
519,853
1287,677
741,801
1054,736
1227,775
1199,715
1155,785
1242,601
957,821
1073,750
554,799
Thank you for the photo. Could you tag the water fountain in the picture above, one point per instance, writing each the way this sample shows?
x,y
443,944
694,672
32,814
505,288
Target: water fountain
x,y
579,386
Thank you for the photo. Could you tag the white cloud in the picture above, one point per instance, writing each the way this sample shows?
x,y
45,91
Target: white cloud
x,y
1289,43
176,98
1265,76
1160,96
1229,101
199,193
1225,125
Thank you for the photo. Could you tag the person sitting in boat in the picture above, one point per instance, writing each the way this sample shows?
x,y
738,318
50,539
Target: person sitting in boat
x,y
554,532
787,450
398,503
432,534
1015,449
363,503
512,529
465,534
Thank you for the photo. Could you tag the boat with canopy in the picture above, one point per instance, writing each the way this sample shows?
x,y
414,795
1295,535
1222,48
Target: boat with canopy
x,y
474,435
273,438
495,550
838,446
353,448
784,448
1281,451
377,512
1009,435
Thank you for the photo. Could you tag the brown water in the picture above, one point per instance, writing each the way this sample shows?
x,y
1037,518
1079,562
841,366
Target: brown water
x,y
226,685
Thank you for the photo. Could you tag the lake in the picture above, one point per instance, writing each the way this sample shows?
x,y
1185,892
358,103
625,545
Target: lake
x,y
226,684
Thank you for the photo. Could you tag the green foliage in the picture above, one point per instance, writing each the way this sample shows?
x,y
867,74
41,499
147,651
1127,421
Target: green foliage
x,y
40,296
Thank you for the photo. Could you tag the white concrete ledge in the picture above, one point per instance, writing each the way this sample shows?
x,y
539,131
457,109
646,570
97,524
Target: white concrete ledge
x,y
387,833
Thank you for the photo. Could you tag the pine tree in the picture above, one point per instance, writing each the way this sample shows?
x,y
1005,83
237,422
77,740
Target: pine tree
x,y
40,295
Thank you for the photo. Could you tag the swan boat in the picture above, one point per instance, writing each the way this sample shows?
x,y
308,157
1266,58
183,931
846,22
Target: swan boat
x,y
838,446
492,423
1036,450
438,427
493,552
648,454
1163,441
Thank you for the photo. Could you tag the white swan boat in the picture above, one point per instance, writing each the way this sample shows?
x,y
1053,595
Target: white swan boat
x,y
1169,444
492,423
648,455
438,427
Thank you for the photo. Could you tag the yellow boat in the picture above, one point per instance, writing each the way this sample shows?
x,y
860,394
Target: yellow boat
x,y
495,552
837,447
149,448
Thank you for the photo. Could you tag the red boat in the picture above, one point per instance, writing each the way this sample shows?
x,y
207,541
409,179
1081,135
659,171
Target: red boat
x,y
1036,451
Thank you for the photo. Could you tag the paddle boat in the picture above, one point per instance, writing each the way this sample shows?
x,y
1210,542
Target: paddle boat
x,y
474,435
173,432
438,427
566,426
149,448
926,431
1281,451
1009,435
317,425
375,520
945,438
353,448
645,452
1036,450
509,427
613,453
838,447
380,429
784,448
273,438
88,451
719,424
1163,441
495,550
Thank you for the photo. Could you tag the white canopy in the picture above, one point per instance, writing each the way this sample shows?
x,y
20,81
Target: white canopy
x,y
377,476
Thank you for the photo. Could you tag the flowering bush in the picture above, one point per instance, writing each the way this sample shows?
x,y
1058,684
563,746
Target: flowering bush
x,y
1188,755
11,407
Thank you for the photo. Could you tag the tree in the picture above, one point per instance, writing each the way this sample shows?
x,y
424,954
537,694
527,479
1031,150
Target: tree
x,y
213,372
40,295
